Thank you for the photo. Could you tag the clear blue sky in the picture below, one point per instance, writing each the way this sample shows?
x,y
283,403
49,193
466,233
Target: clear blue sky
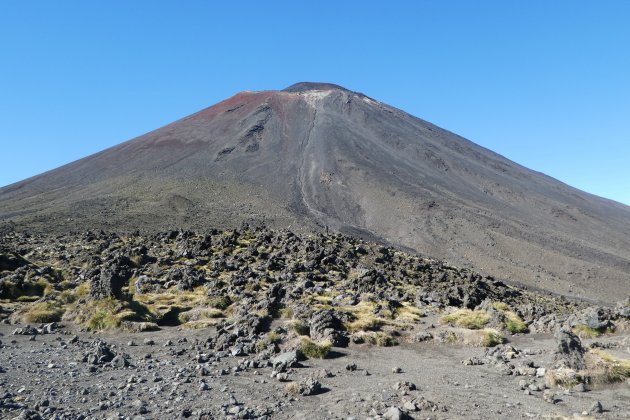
x,y
544,83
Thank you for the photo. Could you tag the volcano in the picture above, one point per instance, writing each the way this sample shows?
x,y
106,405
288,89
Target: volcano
x,y
317,156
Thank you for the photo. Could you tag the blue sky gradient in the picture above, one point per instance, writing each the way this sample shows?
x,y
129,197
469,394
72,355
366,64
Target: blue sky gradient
x,y
546,84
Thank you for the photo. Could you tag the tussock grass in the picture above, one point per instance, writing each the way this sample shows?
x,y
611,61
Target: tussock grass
x,y
292,388
221,302
563,377
30,287
82,290
27,298
300,327
107,314
501,306
41,313
176,306
286,313
514,324
409,313
603,368
199,314
365,319
271,338
492,338
199,325
466,318
584,331
368,323
378,338
315,350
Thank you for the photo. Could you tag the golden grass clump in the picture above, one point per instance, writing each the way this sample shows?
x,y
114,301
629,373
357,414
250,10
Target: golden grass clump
x,y
563,377
292,388
492,338
409,313
584,331
315,350
199,314
514,324
108,313
365,319
377,338
603,368
271,338
466,318
41,313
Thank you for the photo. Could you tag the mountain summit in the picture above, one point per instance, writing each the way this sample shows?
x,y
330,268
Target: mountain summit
x,y
315,156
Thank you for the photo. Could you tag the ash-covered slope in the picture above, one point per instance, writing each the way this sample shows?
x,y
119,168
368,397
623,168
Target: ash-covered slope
x,y
316,155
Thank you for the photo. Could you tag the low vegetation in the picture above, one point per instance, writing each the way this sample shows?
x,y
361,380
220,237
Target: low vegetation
x,y
270,339
492,338
466,318
315,350
107,314
603,368
300,327
292,388
378,338
513,323
584,331
40,313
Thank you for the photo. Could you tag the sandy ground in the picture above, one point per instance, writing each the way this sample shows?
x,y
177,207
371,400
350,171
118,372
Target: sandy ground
x,y
164,381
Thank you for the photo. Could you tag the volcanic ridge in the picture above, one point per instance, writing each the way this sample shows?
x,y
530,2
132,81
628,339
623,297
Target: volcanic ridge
x,y
317,156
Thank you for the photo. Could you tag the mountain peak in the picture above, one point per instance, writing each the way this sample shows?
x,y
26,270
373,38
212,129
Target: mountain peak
x,y
306,86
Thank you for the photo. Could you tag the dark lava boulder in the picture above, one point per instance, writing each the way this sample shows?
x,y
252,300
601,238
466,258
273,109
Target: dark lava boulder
x,y
109,283
570,352
326,325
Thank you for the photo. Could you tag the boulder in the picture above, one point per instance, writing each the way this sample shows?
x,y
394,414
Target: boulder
x,y
326,325
570,352
109,283
285,360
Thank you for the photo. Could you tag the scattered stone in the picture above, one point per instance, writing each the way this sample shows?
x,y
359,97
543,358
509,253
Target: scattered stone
x,y
596,408
549,396
394,413
285,360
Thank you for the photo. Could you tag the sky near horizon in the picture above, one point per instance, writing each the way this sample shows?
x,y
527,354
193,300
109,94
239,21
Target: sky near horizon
x,y
545,84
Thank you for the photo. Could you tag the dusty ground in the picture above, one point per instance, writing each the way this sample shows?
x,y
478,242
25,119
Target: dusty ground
x,y
163,381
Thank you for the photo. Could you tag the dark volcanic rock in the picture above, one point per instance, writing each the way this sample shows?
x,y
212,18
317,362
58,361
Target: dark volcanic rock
x,y
570,352
317,156
326,325
110,281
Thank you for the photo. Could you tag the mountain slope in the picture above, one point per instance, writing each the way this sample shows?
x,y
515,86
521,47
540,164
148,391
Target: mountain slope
x,y
318,155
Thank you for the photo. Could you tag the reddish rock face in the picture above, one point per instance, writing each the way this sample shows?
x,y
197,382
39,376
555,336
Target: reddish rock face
x,y
316,155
